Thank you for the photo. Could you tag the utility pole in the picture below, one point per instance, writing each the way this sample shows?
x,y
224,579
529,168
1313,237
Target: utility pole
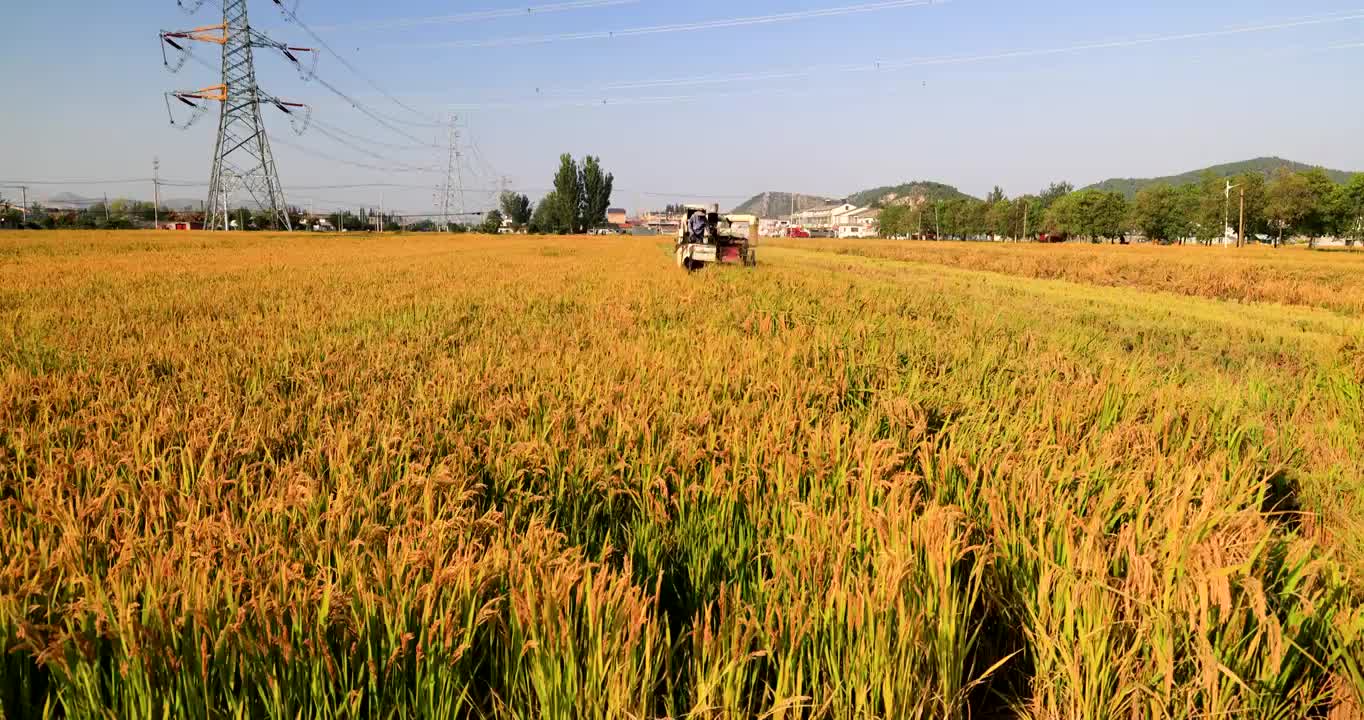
x,y
1026,204
156,193
1241,236
381,211
106,208
937,222
1226,210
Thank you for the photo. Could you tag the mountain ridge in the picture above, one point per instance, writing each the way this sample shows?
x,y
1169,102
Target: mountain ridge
x,y
1266,166
780,204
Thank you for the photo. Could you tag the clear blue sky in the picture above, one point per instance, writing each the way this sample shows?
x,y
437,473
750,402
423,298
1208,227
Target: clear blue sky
x,y
83,84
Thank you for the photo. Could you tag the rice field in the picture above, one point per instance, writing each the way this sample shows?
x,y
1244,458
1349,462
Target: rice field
x,y
268,476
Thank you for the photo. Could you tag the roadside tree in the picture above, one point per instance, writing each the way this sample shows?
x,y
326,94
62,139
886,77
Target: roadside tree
x,y
516,207
1290,202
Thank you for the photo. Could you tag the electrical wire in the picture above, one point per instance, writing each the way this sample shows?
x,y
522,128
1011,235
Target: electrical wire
x,y
351,145
356,104
772,18
376,143
879,65
373,115
876,65
121,181
477,15
343,161
291,15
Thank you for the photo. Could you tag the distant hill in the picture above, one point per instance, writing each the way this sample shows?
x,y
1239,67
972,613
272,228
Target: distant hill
x,y
182,204
1266,166
72,201
779,204
66,199
910,193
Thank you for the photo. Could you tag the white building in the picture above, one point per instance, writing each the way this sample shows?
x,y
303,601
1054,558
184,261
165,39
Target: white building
x,y
769,227
822,218
833,217
857,230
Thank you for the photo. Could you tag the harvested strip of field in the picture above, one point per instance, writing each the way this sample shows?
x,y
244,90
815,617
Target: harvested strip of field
x,y
557,477
1289,276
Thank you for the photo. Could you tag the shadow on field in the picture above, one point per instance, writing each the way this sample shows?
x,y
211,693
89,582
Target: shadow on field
x,y
1282,502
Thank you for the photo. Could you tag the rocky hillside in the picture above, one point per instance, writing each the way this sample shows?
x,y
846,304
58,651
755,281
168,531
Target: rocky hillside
x,y
780,204
910,193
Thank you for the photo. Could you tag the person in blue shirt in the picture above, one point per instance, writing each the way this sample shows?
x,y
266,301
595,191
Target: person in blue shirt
x,y
697,226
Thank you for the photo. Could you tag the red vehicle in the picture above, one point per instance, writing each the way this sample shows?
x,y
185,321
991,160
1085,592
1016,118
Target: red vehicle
x,y
797,233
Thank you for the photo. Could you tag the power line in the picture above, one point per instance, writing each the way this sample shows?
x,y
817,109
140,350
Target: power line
x,y
477,15
337,138
878,65
343,161
369,141
772,18
119,181
354,103
372,114
292,16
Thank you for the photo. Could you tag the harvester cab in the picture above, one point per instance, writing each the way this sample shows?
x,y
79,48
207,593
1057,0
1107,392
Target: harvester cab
x,y
706,237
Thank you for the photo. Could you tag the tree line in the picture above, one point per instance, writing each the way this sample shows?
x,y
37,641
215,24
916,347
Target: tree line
x,y
1306,204
578,203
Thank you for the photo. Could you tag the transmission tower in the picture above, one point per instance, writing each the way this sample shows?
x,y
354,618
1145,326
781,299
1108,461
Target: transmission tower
x,y
241,157
452,191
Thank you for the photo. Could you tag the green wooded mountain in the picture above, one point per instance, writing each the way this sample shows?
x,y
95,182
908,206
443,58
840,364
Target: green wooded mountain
x,y
1266,166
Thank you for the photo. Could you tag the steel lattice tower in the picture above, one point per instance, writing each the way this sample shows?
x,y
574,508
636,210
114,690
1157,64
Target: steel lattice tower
x,y
241,156
454,180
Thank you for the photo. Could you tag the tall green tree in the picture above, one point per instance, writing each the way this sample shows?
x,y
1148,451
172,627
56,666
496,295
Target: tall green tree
x,y
1348,205
1054,192
1092,214
1163,213
1210,207
492,222
1252,188
1000,218
1028,215
595,184
515,207
547,216
1062,216
1108,216
568,196
1321,218
1291,200
895,221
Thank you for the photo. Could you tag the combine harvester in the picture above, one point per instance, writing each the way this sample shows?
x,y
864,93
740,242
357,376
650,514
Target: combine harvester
x,y
721,240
